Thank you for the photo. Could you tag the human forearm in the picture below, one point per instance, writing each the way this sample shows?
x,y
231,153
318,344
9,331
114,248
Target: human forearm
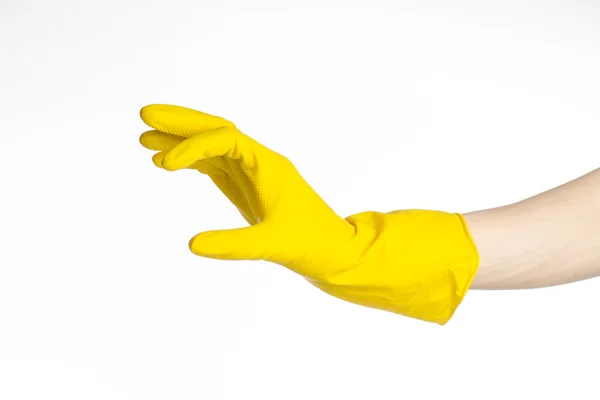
x,y
548,239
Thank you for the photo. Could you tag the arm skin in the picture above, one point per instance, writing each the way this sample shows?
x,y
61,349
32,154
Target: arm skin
x,y
549,239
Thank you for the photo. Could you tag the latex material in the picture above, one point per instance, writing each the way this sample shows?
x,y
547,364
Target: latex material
x,y
417,263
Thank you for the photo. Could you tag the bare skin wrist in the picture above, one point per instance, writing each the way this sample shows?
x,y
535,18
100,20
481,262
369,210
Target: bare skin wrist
x,y
548,239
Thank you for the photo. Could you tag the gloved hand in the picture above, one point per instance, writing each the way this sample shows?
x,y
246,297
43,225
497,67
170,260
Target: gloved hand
x,y
416,263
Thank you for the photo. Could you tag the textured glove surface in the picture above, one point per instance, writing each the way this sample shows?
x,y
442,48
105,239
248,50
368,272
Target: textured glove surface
x,y
417,263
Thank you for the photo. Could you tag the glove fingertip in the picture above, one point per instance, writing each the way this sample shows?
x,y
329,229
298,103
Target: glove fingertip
x,y
147,113
157,159
197,244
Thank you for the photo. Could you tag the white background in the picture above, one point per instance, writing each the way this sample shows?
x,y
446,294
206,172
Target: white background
x,y
381,105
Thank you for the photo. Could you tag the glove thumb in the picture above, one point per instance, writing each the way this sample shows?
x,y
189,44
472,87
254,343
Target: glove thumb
x,y
248,243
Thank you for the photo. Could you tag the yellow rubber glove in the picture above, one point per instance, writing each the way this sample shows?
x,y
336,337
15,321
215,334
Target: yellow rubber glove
x,y
416,263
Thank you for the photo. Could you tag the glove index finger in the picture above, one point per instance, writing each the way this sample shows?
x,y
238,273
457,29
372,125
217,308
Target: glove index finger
x,y
221,142
181,121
